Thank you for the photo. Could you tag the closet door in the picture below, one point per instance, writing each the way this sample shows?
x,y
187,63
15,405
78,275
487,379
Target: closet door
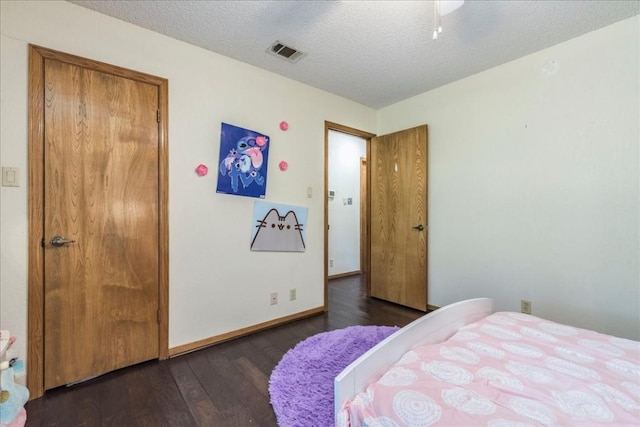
x,y
98,254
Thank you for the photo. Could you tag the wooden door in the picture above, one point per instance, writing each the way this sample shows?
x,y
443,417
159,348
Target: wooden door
x,y
364,214
101,191
398,217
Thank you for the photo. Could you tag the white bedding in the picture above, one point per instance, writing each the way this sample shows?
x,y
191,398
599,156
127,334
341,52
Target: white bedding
x,y
508,369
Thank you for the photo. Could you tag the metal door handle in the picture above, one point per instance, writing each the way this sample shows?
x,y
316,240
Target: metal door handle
x,y
58,241
418,227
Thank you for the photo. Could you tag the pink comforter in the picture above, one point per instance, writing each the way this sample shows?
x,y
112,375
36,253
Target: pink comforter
x,y
509,369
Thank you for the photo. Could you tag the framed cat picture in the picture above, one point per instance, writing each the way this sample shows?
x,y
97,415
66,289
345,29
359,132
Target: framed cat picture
x,y
278,228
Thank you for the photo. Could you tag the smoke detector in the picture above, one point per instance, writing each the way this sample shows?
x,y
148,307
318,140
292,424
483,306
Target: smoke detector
x,y
287,52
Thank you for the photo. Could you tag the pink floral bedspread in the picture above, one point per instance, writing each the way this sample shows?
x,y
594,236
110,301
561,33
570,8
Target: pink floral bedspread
x,y
509,369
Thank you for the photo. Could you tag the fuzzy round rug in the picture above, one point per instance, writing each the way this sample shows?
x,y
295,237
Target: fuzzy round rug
x,y
301,385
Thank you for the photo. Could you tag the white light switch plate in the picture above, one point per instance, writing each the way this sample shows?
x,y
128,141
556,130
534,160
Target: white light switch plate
x,y
10,177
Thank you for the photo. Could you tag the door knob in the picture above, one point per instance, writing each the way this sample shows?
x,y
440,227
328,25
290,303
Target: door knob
x,y
58,241
418,227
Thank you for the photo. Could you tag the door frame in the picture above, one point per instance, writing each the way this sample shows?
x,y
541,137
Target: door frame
x,y
36,188
366,136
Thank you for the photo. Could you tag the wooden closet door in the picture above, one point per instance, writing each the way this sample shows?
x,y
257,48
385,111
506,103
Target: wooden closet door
x,y
101,139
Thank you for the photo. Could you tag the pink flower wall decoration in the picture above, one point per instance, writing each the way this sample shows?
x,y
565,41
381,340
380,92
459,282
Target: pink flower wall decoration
x,y
284,125
202,170
283,166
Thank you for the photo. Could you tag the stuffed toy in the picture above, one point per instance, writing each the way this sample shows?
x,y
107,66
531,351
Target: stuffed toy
x,y
12,396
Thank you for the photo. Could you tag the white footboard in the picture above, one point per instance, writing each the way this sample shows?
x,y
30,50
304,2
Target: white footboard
x,y
433,327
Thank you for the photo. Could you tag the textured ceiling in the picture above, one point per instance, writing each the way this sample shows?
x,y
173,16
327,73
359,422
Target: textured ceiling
x,y
372,52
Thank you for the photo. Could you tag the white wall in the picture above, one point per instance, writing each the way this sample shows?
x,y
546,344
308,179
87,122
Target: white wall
x,y
534,184
533,179
217,284
344,219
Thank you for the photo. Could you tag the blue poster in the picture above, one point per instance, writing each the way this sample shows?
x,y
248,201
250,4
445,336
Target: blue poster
x,y
244,156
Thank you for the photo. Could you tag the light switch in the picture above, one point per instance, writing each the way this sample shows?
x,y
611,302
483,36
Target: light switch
x,y
10,177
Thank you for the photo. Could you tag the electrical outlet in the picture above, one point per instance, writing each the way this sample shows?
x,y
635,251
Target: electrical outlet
x,y
525,306
292,294
331,262
274,298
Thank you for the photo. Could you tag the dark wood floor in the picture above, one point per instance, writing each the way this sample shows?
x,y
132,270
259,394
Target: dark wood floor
x,y
223,385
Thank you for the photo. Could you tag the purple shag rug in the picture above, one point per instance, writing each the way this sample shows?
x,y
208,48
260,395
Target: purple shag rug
x,y
301,385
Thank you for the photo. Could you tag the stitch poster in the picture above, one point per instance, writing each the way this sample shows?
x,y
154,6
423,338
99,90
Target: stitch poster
x,y
243,162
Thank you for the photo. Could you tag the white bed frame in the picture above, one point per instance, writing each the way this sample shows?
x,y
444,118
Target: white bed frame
x,y
431,328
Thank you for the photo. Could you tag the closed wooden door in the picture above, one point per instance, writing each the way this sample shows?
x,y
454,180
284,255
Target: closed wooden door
x,y
101,194
398,217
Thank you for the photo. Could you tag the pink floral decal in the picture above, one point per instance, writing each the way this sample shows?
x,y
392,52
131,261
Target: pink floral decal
x,y
283,166
202,170
284,125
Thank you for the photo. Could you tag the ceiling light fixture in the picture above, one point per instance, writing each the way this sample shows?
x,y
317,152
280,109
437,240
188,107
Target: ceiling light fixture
x,y
441,8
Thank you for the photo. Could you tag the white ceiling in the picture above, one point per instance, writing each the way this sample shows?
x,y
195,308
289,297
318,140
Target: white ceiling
x,y
372,52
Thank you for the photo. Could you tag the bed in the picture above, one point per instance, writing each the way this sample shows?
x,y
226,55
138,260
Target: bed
x,y
463,364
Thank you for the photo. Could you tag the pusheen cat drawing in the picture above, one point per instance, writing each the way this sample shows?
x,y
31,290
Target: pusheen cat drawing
x,y
278,233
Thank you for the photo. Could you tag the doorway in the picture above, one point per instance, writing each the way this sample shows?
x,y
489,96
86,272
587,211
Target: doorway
x,y
397,215
366,136
98,219
346,196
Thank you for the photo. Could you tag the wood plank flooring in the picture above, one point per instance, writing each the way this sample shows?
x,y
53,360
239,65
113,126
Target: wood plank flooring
x,y
223,385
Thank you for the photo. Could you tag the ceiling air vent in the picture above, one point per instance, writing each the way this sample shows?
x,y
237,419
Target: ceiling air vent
x,y
286,52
